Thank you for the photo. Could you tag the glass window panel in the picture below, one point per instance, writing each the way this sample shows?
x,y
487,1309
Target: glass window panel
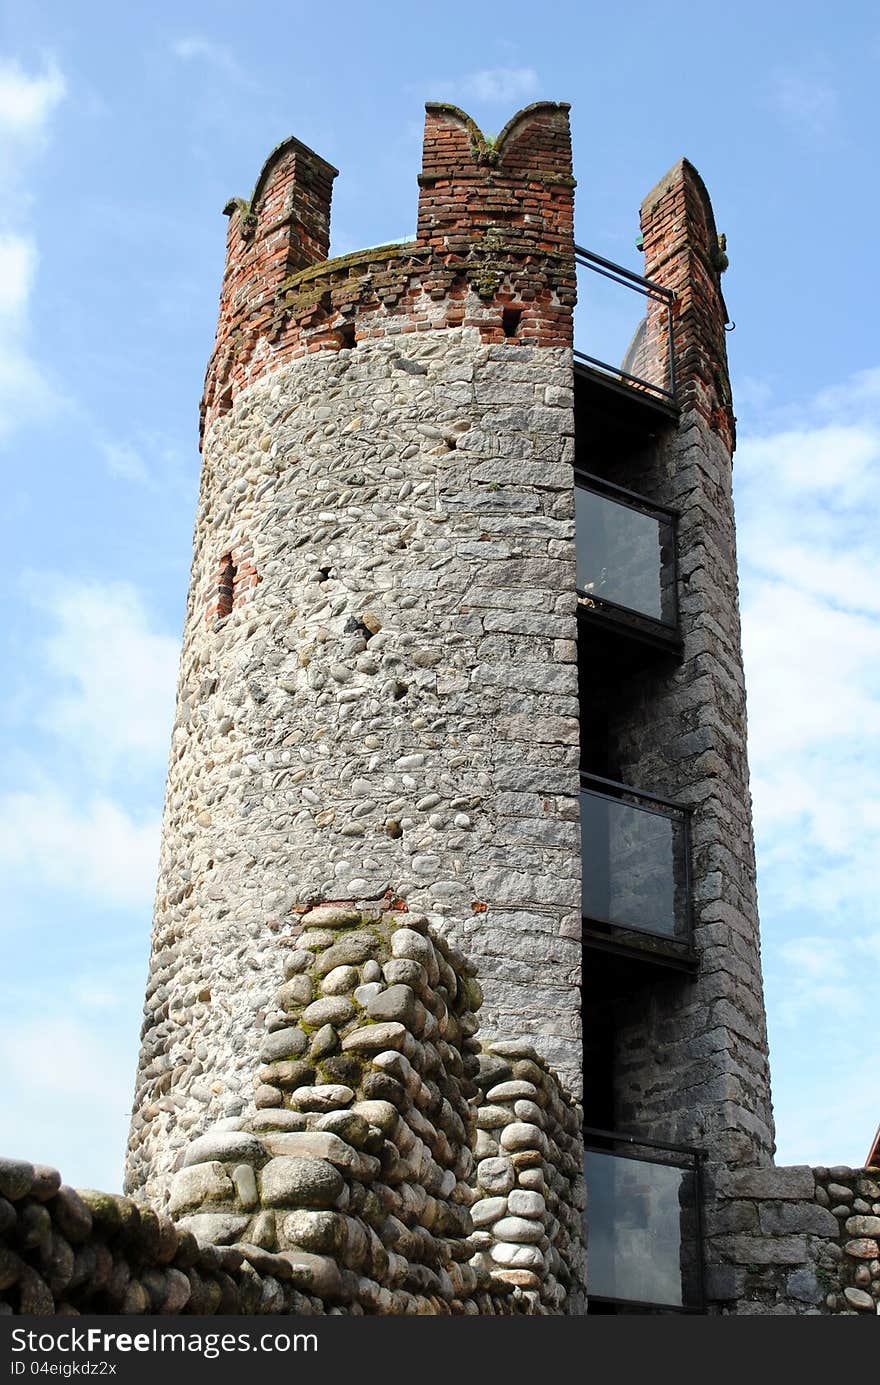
x,y
642,1241
634,872
624,556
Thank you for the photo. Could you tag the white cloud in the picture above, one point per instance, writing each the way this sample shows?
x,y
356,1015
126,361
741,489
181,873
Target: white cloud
x,y
112,675
25,392
92,848
491,85
18,264
807,102
819,975
27,101
125,462
808,509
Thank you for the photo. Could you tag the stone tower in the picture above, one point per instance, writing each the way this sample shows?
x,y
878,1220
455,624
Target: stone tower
x,y
405,685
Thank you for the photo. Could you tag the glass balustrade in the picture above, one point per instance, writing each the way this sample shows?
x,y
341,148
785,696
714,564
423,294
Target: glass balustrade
x,y
635,860
643,1223
625,553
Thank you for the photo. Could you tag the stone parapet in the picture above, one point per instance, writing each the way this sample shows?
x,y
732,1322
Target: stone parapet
x,y
67,1252
795,1240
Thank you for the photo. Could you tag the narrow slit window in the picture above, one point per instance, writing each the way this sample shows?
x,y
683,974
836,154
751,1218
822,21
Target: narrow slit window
x,y
226,586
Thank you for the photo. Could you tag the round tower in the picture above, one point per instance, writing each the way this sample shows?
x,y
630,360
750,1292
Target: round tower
x,y
378,684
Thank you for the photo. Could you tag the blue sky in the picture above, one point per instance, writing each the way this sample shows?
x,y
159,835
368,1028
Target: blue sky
x,y
123,131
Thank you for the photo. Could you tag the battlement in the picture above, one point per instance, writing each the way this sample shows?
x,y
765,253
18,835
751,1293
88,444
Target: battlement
x,y
494,251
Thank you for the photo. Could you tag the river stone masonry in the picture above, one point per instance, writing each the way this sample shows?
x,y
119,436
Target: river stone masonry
x,y
360,1162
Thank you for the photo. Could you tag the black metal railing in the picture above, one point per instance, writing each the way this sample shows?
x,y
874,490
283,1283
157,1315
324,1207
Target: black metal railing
x,y
643,1223
649,363
636,873
627,557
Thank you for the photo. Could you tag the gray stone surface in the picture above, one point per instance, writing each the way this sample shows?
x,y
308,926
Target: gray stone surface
x,y
345,693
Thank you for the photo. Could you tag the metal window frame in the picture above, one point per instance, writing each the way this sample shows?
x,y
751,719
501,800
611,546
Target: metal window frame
x,y
685,811
658,293
632,500
694,1160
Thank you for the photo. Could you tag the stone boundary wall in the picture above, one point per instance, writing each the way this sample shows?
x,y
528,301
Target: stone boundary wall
x,y
796,1241
66,1252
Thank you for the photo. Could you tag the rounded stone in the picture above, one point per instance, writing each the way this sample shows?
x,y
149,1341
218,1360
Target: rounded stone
x,y
518,1229
227,1146
526,1204
495,1175
403,971
488,1210
373,1038
531,1178
295,992
515,1256
857,1298
367,992
528,1111
330,1009
863,1226
290,1180
509,1091
324,1097
340,981
320,1231
862,1248
16,1178
522,1135
405,942
350,949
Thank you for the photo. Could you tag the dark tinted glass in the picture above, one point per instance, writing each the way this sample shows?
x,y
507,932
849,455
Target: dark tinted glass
x,y
625,556
634,872
642,1242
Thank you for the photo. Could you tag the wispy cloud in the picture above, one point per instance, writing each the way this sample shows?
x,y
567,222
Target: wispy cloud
x,y
28,100
808,505
91,849
197,48
490,86
27,103
109,674
807,102
820,975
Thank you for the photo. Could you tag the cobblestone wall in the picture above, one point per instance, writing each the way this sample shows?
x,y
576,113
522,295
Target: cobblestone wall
x,y
528,1180
67,1252
360,1157
796,1240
